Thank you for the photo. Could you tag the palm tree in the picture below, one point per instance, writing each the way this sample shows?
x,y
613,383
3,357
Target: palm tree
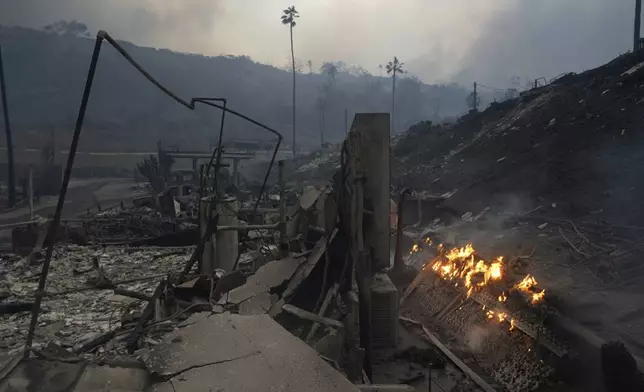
x,y
331,70
288,18
394,67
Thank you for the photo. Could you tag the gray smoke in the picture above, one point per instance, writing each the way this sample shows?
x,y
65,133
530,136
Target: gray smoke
x,y
489,41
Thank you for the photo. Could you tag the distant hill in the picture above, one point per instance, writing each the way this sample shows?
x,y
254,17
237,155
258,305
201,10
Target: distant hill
x,y
46,72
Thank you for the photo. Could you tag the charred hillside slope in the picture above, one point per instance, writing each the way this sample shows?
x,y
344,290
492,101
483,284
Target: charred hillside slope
x,y
576,143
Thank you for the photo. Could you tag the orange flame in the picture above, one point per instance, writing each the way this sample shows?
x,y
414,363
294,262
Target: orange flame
x,y
459,265
529,286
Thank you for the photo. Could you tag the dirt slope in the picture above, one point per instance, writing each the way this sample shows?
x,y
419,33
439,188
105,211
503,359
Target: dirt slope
x,y
577,143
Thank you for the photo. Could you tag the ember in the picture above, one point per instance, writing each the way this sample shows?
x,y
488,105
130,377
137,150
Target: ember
x,y
414,249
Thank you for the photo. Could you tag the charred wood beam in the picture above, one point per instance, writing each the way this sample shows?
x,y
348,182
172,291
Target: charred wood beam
x,y
132,294
17,307
81,289
97,341
147,314
327,301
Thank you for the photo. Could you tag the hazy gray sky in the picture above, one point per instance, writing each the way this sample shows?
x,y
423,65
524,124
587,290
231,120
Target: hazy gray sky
x,y
438,40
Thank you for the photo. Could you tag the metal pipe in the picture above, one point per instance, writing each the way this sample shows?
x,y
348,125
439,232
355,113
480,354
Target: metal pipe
x,y
218,150
20,224
53,228
260,210
191,105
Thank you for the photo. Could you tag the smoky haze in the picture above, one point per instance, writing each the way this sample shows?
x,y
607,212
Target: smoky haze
x,y
439,40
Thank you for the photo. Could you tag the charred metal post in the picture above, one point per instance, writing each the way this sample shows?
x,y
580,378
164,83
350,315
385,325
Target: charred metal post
x,y
7,128
63,192
282,225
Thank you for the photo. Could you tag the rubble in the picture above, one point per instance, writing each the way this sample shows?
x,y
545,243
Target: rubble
x,y
120,224
74,319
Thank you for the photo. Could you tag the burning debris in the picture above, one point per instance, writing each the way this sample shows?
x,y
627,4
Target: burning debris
x,y
465,269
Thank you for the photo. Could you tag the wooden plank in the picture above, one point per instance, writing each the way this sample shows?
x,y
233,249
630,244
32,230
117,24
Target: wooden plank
x,y
460,364
305,314
146,315
302,273
325,304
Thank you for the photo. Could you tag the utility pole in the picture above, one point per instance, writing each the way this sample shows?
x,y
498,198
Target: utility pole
x,y
636,30
475,96
7,128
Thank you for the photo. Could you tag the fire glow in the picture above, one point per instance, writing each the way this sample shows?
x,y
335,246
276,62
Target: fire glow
x,y
464,268
460,264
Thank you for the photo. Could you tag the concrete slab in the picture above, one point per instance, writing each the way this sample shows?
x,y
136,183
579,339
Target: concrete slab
x,y
259,304
112,379
211,340
268,276
42,376
229,352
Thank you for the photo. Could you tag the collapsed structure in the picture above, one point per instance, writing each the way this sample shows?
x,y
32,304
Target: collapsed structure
x,y
202,283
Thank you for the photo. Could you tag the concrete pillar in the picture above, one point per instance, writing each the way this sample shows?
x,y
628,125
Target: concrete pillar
x,y
372,132
227,242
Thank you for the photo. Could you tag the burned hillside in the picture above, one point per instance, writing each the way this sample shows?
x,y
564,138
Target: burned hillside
x,y
575,143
